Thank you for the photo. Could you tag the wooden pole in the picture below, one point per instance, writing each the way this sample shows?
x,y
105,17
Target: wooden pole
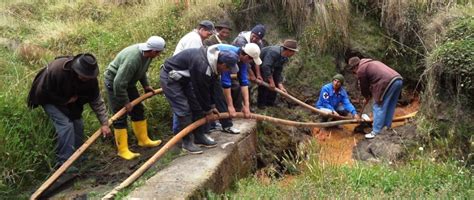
x,y
313,109
84,146
139,172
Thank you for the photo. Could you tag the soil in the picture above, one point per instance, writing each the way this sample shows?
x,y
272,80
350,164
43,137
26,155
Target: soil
x,y
103,170
342,145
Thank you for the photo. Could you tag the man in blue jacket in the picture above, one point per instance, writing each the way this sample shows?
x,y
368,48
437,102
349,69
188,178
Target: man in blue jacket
x,y
187,80
333,99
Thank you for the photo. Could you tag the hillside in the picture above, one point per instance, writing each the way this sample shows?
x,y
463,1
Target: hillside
x,y
430,43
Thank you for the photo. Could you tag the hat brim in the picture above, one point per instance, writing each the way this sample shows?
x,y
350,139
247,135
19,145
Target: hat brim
x,y
291,49
257,61
223,26
143,47
75,65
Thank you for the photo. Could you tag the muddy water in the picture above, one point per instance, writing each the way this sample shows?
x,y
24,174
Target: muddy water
x,y
337,143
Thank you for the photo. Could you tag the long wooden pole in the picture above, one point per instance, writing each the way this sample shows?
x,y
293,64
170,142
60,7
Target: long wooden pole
x,y
313,109
86,145
139,172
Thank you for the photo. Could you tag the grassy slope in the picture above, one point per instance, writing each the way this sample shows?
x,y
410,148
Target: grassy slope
x,y
33,32
60,28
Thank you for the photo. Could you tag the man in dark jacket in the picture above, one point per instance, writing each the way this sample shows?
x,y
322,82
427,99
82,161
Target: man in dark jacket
x,y
187,80
383,84
274,57
253,36
121,76
62,88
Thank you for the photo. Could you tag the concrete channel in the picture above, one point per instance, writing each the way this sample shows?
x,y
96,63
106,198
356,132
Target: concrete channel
x,y
190,176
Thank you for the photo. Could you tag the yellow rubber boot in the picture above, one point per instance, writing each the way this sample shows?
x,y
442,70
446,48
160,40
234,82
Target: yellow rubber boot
x,y
121,140
140,130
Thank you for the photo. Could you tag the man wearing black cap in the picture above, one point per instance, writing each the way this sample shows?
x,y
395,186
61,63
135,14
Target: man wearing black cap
x,y
62,88
195,38
334,99
273,58
187,80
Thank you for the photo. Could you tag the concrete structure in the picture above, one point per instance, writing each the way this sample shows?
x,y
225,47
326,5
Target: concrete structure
x,y
190,176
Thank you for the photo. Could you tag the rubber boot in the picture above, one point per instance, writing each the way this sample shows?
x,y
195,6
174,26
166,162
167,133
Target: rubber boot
x,y
189,146
203,140
121,140
141,132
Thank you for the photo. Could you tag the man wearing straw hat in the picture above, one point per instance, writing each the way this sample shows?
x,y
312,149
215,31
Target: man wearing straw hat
x,y
274,58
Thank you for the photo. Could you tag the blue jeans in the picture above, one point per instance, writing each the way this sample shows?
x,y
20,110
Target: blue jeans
x,y
70,133
383,114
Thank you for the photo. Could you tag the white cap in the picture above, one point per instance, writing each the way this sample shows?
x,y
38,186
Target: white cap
x,y
154,43
253,50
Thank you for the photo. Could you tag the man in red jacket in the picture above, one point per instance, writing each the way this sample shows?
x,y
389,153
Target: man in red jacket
x,y
383,84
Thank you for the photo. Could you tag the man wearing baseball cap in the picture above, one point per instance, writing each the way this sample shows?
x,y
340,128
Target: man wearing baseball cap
x,y
383,84
129,67
248,53
334,99
274,58
62,88
195,38
187,80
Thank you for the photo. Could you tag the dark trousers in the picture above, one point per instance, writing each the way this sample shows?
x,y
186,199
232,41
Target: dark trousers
x,y
221,104
137,113
184,104
70,133
266,97
236,93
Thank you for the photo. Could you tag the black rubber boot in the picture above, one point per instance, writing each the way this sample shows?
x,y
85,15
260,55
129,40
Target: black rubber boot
x,y
204,140
189,146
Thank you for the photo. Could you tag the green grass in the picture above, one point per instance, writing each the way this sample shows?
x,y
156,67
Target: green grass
x,y
420,178
46,29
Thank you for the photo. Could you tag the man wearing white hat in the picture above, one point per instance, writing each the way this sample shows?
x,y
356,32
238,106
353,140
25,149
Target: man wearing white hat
x,y
121,76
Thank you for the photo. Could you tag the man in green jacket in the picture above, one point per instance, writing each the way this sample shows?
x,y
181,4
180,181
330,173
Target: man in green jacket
x,y
121,76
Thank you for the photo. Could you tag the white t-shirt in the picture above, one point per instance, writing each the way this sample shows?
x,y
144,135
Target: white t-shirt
x,y
190,40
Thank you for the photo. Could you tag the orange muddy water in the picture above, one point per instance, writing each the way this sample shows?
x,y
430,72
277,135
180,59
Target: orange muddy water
x,y
337,143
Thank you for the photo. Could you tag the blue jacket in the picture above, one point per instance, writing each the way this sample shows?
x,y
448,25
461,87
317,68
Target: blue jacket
x,y
330,100
226,80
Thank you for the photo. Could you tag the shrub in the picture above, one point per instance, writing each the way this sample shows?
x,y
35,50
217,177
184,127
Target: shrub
x,y
450,90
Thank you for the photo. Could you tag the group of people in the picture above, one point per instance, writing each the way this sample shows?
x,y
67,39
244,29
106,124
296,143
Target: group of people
x,y
196,81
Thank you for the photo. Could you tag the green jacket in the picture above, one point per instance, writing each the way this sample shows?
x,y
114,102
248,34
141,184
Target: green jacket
x,y
128,67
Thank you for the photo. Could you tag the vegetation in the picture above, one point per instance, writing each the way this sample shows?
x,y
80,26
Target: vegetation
x,y
34,32
421,177
449,78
